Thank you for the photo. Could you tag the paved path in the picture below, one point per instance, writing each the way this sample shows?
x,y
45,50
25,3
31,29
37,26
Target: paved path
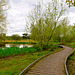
x,y
52,64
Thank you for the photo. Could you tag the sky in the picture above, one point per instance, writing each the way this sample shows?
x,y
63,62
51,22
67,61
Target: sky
x,y
17,14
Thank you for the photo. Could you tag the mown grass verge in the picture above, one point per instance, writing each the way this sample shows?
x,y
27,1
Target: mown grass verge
x,y
71,61
13,65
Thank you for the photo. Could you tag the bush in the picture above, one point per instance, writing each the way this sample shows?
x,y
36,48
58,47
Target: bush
x,y
16,37
38,46
2,43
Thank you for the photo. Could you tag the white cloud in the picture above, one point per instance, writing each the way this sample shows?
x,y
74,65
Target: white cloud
x,y
17,14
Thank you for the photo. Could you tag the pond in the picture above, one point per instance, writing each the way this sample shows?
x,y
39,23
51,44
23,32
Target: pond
x,y
18,45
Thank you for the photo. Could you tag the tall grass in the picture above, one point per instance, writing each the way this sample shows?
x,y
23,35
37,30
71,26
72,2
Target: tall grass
x,y
15,51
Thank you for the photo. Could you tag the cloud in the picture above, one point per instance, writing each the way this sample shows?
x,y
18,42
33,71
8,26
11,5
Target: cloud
x,y
72,15
17,15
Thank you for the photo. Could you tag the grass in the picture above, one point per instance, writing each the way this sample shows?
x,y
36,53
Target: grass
x,y
71,44
71,61
15,51
12,51
13,65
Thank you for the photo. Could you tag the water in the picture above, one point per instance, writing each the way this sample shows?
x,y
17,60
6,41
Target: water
x,y
18,45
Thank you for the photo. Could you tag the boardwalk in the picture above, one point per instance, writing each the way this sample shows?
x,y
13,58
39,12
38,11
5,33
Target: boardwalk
x,y
52,64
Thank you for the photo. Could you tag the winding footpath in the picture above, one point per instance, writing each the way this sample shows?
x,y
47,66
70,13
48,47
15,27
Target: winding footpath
x,y
52,64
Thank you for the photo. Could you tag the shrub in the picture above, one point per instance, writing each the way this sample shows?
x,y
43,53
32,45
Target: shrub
x,y
38,46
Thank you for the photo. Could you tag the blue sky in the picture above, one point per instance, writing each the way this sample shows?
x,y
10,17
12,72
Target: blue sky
x,y
18,13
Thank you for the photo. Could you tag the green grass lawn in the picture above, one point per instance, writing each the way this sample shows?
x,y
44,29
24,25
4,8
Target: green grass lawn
x,y
13,65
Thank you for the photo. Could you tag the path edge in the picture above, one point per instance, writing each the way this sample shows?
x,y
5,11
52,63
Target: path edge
x,y
66,69
34,62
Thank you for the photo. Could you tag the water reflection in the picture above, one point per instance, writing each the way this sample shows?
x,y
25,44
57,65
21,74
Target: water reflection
x,y
18,45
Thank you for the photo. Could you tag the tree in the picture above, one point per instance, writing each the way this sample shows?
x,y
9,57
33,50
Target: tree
x,y
74,3
72,33
16,37
71,2
25,36
3,21
2,37
64,29
44,20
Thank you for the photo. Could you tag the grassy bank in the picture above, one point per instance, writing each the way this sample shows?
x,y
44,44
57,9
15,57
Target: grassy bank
x,y
71,61
12,51
13,65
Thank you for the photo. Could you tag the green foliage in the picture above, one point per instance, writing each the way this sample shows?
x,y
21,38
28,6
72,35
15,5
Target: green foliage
x,y
51,47
25,36
47,25
71,44
16,37
14,65
7,73
74,3
3,20
38,46
15,51
72,58
44,21
2,43
8,37
2,36
70,2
